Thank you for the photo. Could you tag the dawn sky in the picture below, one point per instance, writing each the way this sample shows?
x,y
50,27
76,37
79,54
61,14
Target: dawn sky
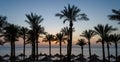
x,y
97,11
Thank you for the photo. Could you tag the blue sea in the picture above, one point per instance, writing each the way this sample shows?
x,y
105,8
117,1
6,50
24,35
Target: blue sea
x,y
75,50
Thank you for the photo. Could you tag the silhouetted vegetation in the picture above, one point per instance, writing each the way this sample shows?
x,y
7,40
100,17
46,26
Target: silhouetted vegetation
x,y
115,16
71,14
10,33
88,35
103,31
49,38
81,43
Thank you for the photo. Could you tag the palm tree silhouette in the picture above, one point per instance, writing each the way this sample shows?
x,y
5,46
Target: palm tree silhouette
x,y
115,16
102,31
88,34
34,22
23,34
66,33
81,43
30,40
11,35
60,38
108,40
71,14
39,30
2,23
115,38
49,38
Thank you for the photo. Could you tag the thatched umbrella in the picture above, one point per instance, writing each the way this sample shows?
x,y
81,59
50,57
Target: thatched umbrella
x,y
22,56
81,58
57,56
112,58
94,58
73,56
46,58
6,57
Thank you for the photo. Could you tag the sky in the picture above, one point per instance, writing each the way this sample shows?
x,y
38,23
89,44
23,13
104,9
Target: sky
x,y
97,11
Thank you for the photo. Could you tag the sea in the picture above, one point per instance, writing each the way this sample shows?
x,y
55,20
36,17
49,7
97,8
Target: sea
x,y
55,50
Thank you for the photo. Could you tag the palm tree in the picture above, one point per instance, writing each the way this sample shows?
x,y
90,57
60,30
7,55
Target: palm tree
x,y
88,34
81,43
102,31
11,35
60,38
108,40
2,21
30,40
115,38
66,33
34,22
71,14
39,30
49,38
23,33
115,16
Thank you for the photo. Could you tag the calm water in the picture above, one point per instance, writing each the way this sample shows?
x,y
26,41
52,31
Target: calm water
x,y
75,50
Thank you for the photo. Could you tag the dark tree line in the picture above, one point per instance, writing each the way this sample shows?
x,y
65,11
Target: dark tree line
x,y
12,32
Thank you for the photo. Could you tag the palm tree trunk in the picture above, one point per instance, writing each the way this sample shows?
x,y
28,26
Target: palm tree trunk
x,y
116,50
33,51
89,48
82,52
103,51
14,51
24,48
68,50
70,43
37,48
60,51
11,58
108,51
49,49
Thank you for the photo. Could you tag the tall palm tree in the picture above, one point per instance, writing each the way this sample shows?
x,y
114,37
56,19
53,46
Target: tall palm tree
x,y
30,40
71,14
39,30
115,39
60,38
88,34
11,35
102,31
108,40
115,16
49,38
23,33
34,22
81,43
66,33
